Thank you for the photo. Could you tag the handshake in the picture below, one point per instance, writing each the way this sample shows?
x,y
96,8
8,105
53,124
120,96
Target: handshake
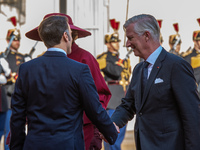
x,y
103,138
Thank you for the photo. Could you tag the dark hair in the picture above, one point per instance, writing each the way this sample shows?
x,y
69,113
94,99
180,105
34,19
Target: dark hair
x,y
51,30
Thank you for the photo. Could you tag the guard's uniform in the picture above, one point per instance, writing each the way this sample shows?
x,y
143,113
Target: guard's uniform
x,y
14,59
192,56
4,74
116,73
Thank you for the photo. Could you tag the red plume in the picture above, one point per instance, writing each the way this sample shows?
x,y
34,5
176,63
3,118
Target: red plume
x,y
114,24
117,25
198,21
159,23
13,20
176,27
195,34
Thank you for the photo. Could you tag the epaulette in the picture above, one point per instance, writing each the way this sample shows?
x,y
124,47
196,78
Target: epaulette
x,y
189,51
1,54
41,54
20,53
101,55
101,59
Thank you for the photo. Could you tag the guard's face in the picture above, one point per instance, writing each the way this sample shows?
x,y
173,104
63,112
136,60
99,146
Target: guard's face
x,y
115,45
197,45
178,48
15,45
135,41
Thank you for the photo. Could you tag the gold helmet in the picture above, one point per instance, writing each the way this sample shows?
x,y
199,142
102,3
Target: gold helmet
x,y
114,37
12,32
196,34
173,38
160,24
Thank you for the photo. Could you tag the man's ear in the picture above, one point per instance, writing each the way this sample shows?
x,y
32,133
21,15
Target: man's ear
x,y
66,37
147,35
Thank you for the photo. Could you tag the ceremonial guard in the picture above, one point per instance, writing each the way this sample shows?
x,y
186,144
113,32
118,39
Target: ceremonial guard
x,y
14,59
116,73
175,41
4,74
192,56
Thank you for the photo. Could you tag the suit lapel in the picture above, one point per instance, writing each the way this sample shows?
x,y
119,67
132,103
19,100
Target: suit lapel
x,y
156,68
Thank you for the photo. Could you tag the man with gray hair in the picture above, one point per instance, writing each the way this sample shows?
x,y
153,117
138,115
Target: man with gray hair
x,y
162,94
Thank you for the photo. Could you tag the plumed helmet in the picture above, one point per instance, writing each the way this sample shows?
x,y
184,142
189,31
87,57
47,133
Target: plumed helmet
x,y
196,34
173,38
113,37
12,32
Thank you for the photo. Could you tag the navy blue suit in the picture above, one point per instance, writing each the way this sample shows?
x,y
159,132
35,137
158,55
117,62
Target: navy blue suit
x,y
168,116
52,91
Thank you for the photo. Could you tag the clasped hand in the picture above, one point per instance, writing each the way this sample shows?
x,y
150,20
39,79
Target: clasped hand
x,y
103,138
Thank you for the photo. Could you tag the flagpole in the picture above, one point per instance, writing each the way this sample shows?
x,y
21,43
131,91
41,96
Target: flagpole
x,y
108,16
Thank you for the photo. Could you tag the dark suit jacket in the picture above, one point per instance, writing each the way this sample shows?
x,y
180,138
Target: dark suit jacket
x,y
168,117
85,57
52,91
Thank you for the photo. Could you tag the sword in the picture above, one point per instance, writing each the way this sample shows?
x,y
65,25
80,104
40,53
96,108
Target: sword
x,y
129,52
176,43
5,54
32,50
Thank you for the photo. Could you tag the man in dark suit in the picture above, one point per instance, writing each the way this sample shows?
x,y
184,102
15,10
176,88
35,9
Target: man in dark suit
x,y
51,93
91,134
167,113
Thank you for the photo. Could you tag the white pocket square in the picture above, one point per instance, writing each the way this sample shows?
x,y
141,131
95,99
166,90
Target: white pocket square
x,y
158,80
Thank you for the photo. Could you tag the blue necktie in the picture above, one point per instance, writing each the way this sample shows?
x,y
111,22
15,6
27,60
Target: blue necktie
x,y
144,75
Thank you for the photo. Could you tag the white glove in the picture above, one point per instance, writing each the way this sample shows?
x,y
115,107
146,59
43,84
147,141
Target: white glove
x,y
3,79
27,58
5,67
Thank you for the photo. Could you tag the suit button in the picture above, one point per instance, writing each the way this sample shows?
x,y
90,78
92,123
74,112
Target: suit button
x,y
140,114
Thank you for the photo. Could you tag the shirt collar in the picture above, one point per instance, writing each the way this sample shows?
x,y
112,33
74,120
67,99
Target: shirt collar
x,y
57,50
152,58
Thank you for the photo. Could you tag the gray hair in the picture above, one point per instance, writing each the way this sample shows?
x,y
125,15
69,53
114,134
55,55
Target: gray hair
x,y
144,22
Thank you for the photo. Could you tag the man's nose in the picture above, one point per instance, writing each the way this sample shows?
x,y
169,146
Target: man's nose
x,y
128,43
